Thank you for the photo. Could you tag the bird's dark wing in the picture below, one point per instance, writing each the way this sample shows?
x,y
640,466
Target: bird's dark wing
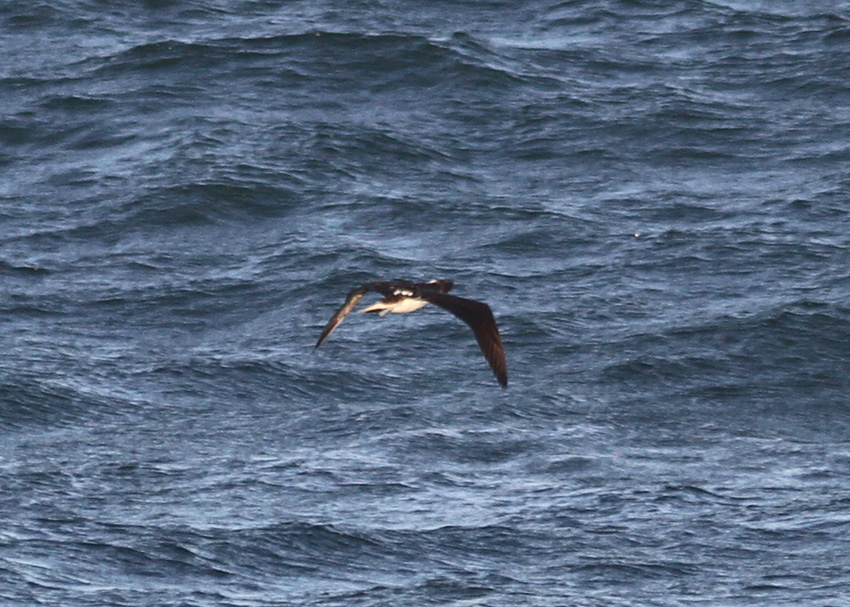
x,y
480,318
352,299
387,288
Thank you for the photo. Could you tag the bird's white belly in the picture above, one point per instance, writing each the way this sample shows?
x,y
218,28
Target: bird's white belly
x,y
407,305
399,307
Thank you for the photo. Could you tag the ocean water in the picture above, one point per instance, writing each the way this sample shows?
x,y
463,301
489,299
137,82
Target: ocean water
x,y
653,197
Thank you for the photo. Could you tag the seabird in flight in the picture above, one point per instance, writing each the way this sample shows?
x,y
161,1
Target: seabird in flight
x,y
401,297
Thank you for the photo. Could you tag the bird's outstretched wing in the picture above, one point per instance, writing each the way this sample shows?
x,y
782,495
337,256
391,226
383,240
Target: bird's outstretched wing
x,y
480,318
352,299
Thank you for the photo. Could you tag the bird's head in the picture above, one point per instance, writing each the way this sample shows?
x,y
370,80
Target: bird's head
x,y
443,285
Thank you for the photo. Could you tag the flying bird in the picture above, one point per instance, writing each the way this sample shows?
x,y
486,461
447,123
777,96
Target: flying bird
x,y
401,297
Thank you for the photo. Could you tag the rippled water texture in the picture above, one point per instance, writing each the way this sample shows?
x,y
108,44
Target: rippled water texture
x,y
651,196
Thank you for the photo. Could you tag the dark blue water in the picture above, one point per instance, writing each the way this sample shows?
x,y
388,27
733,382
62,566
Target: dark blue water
x,y
652,196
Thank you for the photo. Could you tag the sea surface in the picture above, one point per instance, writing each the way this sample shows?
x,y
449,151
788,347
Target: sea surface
x,y
653,197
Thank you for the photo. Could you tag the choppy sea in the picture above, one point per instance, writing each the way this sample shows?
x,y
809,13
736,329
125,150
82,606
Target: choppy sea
x,y
653,197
